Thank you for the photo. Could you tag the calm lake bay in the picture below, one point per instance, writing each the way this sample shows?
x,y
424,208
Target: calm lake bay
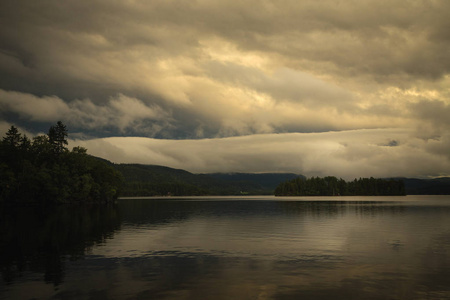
x,y
229,248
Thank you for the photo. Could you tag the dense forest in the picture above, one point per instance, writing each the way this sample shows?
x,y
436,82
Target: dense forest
x,y
43,170
331,186
151,180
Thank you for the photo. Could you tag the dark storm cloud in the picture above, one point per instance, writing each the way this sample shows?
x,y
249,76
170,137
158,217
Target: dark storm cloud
x,y
210,69
377,38
121,112
434,111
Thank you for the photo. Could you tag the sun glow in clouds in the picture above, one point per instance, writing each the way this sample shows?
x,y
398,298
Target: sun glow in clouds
x,y
204,74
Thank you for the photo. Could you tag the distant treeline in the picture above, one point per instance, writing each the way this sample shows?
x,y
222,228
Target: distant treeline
x,y
151,180
331,186
43,170
139,189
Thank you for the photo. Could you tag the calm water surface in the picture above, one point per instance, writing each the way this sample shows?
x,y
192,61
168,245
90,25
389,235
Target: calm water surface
x,y
230,248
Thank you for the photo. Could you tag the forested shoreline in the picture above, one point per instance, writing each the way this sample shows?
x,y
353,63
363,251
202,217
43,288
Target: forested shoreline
x,y
332,186
42,170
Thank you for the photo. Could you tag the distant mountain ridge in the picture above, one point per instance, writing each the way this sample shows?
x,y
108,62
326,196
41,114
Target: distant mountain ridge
x,y
435,186
265,180
155,180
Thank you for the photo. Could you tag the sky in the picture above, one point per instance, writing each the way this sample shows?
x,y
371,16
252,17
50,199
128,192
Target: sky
x,y
344,88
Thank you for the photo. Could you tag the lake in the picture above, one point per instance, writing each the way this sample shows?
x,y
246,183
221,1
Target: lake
x,y
229,248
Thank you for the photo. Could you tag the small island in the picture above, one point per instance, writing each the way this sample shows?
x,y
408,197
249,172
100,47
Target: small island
x,y
331,186
42,170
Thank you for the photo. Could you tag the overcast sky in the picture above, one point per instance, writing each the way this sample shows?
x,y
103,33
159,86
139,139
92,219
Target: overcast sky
x,y
345,88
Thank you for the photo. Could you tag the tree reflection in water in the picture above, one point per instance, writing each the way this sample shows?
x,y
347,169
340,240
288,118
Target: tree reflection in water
x,y
40,239
229,248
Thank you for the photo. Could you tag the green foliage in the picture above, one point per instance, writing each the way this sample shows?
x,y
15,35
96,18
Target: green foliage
x,y
331,186
44,171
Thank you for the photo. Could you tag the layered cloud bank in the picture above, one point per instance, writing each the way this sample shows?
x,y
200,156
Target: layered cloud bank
x,y
196,74
348,154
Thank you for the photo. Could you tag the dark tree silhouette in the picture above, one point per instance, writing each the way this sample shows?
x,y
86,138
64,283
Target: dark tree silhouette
x,y
12,137
331,186
45,171
57,136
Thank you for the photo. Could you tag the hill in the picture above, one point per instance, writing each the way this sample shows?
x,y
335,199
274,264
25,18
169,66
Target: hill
x,y
152,180
265,181
436,186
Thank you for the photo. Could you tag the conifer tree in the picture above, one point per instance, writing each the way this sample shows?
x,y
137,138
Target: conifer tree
x,y
57,136
13,137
